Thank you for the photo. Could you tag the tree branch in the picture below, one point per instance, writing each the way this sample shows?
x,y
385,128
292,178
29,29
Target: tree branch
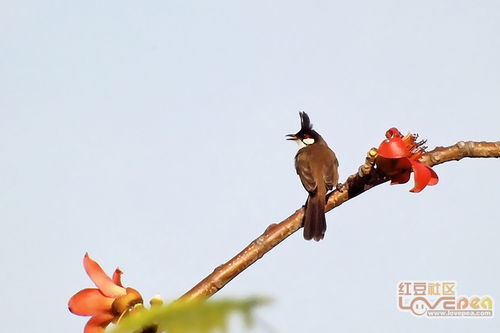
x,y
366,178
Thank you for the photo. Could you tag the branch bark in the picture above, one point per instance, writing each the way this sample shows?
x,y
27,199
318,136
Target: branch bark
x,y
366,178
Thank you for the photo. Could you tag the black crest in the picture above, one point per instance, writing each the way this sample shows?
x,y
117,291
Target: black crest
x,y
305,122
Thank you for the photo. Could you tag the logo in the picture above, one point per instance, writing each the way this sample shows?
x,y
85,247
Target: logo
x,y
440,299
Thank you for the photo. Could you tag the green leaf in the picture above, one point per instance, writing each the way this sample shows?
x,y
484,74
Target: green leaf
x,y
188,317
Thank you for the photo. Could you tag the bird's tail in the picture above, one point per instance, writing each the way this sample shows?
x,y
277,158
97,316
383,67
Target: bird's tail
x,y
314,217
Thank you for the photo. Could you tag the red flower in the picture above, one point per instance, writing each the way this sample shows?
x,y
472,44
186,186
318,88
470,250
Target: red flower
x,y
107,302
398,155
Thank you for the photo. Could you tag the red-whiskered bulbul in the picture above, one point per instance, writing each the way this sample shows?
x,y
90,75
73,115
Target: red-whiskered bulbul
x,y
317,167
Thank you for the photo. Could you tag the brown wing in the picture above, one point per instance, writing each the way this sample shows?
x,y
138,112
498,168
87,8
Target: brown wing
x,y
330,171
303,168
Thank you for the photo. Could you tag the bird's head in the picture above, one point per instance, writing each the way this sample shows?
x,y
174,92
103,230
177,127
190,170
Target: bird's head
x,y
306,136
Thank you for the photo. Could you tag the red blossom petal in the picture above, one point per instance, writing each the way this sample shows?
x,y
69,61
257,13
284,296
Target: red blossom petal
x,y
393,167
88,302
393,148
424,176
98,323
392,132
117,277
101,280
401,178
434,178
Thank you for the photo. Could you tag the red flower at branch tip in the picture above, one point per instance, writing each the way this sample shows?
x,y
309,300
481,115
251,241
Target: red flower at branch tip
x,y
399,155
107,302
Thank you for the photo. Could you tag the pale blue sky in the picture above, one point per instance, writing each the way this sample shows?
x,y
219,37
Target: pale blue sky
x,y
151,134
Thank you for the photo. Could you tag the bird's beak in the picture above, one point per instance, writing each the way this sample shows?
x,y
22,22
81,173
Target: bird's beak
x,y
291,137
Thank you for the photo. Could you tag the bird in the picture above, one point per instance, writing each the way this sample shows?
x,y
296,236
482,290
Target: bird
x,y
317,167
